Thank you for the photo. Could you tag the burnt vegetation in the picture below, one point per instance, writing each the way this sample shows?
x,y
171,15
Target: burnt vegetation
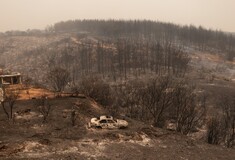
x,y
221,128
43,106
10,98
139,69
198,37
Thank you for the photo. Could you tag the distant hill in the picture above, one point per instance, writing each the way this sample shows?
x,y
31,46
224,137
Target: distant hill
x,y
156,30
99,46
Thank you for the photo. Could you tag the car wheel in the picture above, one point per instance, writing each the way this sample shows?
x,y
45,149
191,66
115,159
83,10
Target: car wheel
x,y
122,127
98,127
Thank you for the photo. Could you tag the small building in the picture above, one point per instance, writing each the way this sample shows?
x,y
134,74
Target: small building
x,y
10,79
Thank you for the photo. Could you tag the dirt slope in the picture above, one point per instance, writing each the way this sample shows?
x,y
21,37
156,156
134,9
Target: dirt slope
x,y
28,138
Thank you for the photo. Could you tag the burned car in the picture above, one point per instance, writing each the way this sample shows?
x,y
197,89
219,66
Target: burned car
x,y
107,122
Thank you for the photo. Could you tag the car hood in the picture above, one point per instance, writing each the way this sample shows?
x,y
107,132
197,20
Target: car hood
x,y
122,122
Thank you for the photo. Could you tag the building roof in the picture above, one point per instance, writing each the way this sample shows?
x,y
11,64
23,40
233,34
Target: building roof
x,y
10,75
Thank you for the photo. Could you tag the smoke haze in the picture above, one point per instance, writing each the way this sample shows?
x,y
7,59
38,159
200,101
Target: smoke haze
x,y
29,14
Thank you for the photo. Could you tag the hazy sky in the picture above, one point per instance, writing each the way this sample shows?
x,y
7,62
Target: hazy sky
x,y
25,14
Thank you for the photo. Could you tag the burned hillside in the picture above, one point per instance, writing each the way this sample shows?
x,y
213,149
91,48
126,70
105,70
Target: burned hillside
x,y
173,84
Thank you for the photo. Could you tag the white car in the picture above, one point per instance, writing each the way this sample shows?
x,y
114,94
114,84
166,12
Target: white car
x,y
107,122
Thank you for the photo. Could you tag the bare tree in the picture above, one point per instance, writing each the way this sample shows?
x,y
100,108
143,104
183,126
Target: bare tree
x,y
126,98
97,89
189,108
75,90
10,98
58,78
221,128
214,130
157,98
43,106
227,104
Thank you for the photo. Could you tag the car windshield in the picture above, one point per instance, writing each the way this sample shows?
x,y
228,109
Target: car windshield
x,y
103,121
110,121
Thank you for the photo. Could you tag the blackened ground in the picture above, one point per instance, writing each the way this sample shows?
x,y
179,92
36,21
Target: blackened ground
x,y
28,138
